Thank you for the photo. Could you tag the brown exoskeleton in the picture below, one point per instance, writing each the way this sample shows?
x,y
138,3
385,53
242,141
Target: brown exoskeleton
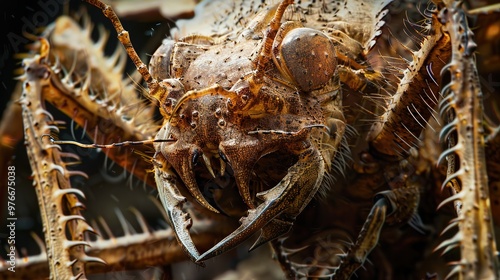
x,y
259,105
264,95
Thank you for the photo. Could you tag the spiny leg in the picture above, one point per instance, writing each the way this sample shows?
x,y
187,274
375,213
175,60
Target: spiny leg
x,y
462,107
75,94
265,56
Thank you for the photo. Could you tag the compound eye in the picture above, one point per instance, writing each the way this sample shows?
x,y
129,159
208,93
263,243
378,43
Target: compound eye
x,y
159,65
308,56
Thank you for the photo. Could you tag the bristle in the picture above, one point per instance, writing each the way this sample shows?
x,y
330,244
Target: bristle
x,y
452,224
450,199
455,271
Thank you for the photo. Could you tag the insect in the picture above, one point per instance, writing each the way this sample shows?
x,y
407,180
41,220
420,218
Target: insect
x,y
296,125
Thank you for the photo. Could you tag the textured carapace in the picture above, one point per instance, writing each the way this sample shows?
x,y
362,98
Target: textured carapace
x,y
234,103
259,103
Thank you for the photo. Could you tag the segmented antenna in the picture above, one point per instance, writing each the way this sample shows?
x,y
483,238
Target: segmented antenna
x,y
156,90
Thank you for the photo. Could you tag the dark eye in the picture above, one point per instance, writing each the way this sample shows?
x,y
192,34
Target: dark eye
x,y
308,57
159,65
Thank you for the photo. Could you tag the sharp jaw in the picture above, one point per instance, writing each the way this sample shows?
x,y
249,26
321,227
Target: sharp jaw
x,y
206,160
182,159
172,201
242,160
281,205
